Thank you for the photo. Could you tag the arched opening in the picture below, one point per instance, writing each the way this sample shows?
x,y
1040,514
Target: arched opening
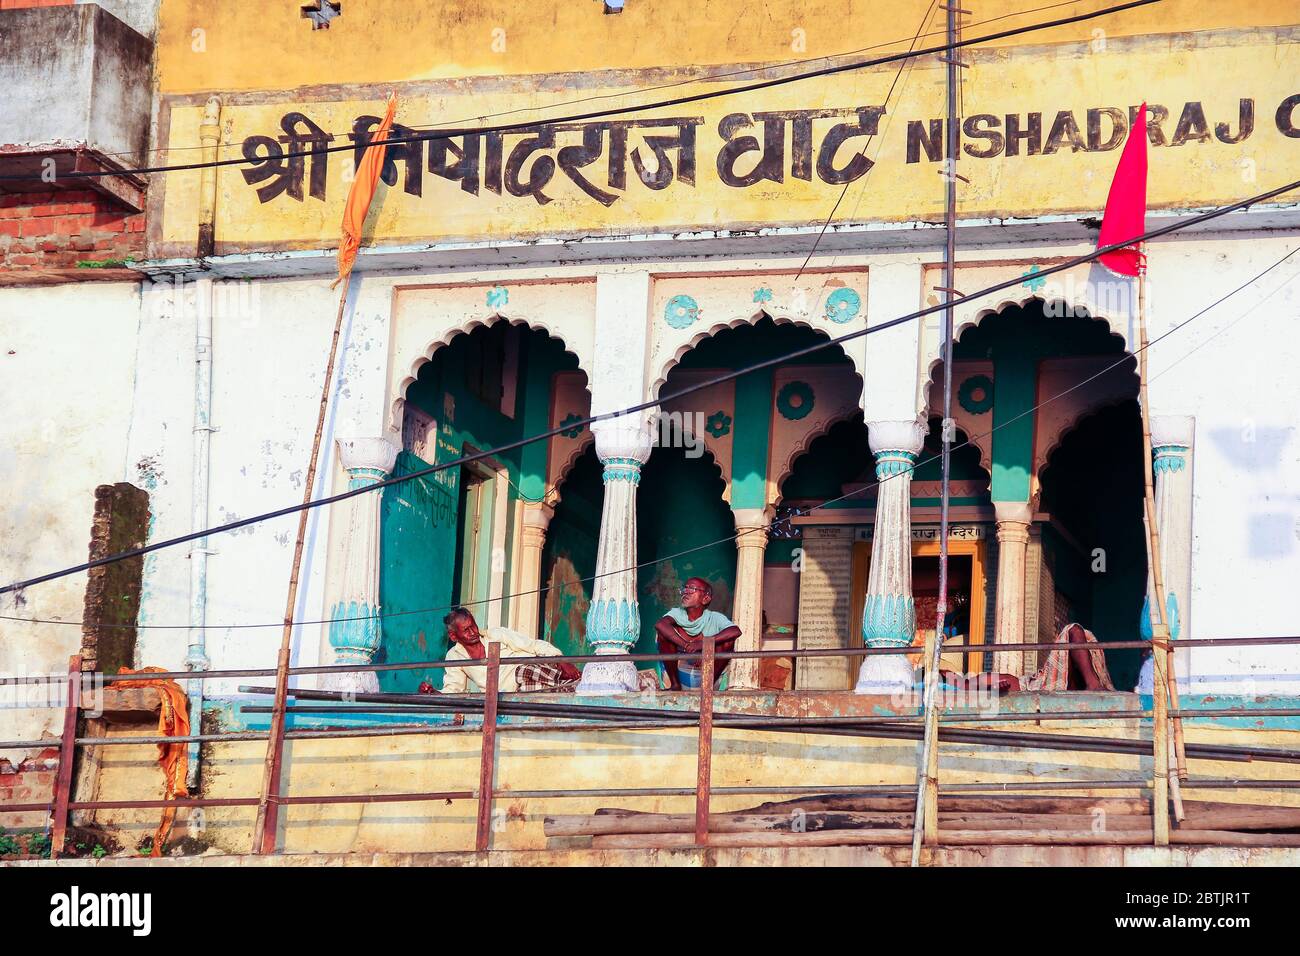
x,y
1031,386
454,537
1095,549
569,556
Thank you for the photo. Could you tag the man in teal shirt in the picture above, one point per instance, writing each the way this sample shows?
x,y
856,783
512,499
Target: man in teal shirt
x,y
683,630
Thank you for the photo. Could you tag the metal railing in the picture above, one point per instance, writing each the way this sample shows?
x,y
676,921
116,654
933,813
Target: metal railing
x,y
597,718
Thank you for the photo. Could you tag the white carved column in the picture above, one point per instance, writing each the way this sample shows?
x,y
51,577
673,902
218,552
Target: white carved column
x,y
614,620
354,631
752,526
1171,448
1009,611
889,612
536,519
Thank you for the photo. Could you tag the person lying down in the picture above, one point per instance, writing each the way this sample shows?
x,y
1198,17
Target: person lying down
x,y
1078,664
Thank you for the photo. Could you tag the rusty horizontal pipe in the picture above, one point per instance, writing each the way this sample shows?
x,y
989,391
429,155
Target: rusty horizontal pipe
x,y
728,655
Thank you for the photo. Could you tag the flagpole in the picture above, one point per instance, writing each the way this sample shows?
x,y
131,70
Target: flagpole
x,y
264,826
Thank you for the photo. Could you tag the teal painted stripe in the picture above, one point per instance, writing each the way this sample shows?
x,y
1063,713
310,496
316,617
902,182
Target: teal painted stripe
x,y
750,444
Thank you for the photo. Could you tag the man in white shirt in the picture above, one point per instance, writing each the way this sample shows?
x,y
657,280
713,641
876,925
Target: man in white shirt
x,y
471,644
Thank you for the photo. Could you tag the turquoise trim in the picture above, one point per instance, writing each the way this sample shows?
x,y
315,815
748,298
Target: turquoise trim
x,y
762,294
842,305
497,297
681,312
354,632
571,429
364,477
1170,458
613,623
888,620
622,469
892,462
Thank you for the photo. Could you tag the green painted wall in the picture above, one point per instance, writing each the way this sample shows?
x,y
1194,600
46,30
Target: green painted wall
x,y
419,528
1017,340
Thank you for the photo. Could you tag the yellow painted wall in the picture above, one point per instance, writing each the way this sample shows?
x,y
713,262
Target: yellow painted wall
x,y
268,46
557,760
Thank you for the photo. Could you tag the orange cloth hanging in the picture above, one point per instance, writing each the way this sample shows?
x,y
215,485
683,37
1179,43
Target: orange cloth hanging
x,y
362,191
173,721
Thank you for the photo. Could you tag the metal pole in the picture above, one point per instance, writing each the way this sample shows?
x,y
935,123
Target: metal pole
x,y
925,824
487,759
704,749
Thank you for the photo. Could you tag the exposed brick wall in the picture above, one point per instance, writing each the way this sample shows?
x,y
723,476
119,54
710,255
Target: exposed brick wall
x,y
57,230
32,781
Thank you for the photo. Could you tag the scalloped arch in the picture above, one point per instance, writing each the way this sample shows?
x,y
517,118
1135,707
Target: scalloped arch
x,y
1072,425
465,328
1074,310
780,318
556,491
804,445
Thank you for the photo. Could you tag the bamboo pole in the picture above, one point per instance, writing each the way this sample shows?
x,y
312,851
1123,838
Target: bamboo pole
x,y
488,750
1155,601
264,826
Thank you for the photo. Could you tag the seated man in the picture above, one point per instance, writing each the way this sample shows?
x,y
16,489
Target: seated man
x,y
1065,668
683,630
471,644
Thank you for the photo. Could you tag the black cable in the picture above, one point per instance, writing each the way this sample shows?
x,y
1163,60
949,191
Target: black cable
x,y
619,110
707,78
970,440
652,403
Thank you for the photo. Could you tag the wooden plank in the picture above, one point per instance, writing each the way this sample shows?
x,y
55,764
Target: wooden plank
x,y
67,753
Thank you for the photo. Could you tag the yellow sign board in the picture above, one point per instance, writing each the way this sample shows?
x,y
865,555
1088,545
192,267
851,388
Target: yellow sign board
x,y
1040,133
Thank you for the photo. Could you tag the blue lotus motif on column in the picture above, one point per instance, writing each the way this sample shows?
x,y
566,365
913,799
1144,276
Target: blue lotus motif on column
x,y
888,620
354,632
612,622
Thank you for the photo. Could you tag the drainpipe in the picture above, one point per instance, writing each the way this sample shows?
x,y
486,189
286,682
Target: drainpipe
x,y
196,657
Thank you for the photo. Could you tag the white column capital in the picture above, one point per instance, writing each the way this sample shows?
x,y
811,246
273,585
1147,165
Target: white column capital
x,y
538,514
748,519
1012,512
1172,430
627,437
378,454
887,436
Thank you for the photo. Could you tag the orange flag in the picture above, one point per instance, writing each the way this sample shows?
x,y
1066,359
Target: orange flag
x,y
362,191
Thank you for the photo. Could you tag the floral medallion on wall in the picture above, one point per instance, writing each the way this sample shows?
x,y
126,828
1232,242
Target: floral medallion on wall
x,y
719,424
795,400
842,305
681,311
976,394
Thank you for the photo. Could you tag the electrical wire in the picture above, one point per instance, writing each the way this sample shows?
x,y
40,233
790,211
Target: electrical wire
x,y
613,111
970,441
711,77
655,402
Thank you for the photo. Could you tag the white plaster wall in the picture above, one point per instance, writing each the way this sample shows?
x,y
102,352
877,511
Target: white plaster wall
x,y
67,362
1234,369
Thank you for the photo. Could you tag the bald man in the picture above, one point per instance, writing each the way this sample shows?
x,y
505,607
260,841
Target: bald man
x,y
683,630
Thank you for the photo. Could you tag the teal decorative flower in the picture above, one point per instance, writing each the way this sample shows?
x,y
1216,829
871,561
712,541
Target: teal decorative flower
x,y
842,305
976,394
719,424
1035,281
795,400
498,296
575,430
762,295
681,311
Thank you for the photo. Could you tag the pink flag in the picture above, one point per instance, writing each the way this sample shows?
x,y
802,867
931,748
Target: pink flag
x,y
1126,206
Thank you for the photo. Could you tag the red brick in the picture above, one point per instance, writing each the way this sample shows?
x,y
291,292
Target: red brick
x,y
24,260
9,227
